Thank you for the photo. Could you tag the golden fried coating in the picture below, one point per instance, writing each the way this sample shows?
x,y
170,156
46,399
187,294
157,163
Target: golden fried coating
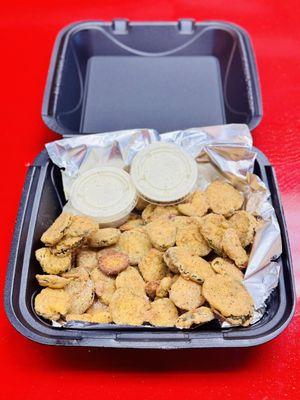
x,y
152,212
162,233
66,245
182,221
76,273
128,308
245,224
162,313
87,259
172,254
105,286
190,266
152,266
132,224
232,247
81,293
52,264
226,267
52,303
212,227
81,226
111,262
131,279
141,204
52,281
229,298
57,230
191,238
135,244
97,306
100,317
150,288
198,316
164,287
196,206
223,198
104,237
186,295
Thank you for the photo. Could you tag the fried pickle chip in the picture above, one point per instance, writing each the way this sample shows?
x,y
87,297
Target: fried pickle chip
x,y
97,306
232,247
245,224
52,303
212,228
152,212
66,245
229,298
105,286
52,281
104,237
162,313
191,238
223,198
226,267
198,316
190,266
111,262
186,295
164,287
132,280
152,266
81,226
182,221
57,230
135,244
132,224
171,254
81,293
162,233
87,259
150,289
128,308
52,264
196,206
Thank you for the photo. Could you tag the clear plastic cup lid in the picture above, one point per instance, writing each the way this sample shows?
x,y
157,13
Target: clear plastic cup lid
x,y
164,173
105,193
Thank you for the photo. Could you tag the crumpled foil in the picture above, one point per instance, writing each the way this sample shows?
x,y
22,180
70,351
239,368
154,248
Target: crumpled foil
x,y
222,152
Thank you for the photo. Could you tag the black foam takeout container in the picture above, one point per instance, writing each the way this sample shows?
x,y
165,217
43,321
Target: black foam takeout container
x,y
167,76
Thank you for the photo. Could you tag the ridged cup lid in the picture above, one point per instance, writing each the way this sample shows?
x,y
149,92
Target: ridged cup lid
x,y
164,173
105,193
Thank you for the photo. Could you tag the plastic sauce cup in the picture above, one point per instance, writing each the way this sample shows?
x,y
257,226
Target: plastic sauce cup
x,y
163,173
106,193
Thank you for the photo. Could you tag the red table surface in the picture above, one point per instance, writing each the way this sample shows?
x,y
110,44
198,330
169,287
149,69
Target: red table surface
x,y
30,370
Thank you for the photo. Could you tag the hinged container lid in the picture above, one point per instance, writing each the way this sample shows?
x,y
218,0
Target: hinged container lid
x,y
162,75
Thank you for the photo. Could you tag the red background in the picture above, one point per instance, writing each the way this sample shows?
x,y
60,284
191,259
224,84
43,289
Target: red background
x,y
29,370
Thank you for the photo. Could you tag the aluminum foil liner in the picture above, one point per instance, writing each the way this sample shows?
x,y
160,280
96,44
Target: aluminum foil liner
x,y
222,152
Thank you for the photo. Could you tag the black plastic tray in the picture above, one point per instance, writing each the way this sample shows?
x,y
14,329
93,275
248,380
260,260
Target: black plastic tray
x,y
42,197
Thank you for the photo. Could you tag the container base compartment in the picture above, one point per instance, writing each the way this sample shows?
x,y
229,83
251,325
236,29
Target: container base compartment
x,y
42,202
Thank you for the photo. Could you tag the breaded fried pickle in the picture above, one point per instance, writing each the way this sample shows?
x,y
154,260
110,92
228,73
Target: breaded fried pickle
x,y
196,206
57,230
229,298
198,316
223,198
52,303
135,244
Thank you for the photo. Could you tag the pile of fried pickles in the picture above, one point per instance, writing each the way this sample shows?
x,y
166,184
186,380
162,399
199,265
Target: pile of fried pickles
x,y
168,266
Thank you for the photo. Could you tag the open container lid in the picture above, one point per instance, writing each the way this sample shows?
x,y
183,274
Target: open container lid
x,y
107,76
